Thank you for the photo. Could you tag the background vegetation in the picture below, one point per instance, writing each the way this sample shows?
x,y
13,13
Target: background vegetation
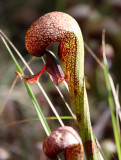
x,y
23,141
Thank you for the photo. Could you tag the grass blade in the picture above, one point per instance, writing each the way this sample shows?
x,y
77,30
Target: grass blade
x,y
30,93
41,88
110,78
110,99
37,119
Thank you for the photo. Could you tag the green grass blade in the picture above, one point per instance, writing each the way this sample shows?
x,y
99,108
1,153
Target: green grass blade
x,y
30,93
62,117
111,102
37,119
39,85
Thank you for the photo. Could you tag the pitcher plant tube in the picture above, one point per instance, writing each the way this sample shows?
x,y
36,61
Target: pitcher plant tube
x,y
61,27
